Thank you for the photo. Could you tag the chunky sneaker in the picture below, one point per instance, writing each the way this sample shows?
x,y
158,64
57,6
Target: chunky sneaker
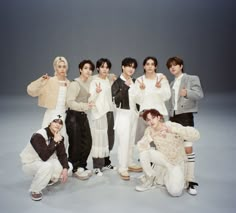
x,y
124,175
81,174
148,185
36,196
98,172
109,167
135,168
191,188
88,171
142,178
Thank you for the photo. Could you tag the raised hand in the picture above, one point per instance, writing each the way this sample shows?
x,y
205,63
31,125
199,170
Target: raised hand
x,y
98,87
45,76
57,137
129,82
142,86
113,77
183,92
158,83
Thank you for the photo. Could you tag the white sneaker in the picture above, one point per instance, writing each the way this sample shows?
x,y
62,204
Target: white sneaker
x,y
148,185
81,174
191,188
98,172
89,172
142,178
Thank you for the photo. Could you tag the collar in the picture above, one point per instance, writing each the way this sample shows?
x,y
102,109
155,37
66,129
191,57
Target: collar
x,y
179,77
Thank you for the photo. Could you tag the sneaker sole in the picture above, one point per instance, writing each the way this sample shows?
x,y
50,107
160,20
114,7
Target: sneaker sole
x,y
125,177
36,199
134,170
143,190
81,178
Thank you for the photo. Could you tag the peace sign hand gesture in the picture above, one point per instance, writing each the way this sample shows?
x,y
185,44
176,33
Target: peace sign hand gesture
x,y
98,87
141,84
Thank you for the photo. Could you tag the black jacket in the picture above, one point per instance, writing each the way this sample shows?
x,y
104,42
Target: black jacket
x,y
120,94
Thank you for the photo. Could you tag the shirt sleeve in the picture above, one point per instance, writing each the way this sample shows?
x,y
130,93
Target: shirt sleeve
x,y
195,91
188,133
35,88
61,154
39,144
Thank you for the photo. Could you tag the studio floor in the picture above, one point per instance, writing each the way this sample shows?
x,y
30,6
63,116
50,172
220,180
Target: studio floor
x,y
215,168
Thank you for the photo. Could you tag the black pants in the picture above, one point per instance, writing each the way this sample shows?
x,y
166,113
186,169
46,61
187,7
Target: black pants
x,y
80,139
185,119
111,135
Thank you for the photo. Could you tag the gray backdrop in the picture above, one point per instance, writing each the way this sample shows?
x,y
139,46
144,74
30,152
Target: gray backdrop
x,y
33,32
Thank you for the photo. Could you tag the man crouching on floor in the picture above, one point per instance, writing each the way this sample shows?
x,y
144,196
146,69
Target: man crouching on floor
x,y
162,154
45,158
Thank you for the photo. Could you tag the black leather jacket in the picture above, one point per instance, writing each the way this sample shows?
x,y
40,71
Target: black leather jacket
x,y
120,94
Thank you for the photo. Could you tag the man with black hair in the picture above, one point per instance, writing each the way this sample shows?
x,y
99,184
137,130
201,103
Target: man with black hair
x,y
126,118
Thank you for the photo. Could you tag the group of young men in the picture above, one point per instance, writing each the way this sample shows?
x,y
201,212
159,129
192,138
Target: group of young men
x,y
164,140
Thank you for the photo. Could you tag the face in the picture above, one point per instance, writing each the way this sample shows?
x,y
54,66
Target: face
x,y
176,70
61,69
103,70
86,71
128,70
55,126
152,121
150,67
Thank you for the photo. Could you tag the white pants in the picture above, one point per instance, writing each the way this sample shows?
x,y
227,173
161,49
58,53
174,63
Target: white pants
x,y
174,175
125,131
100,137
43,172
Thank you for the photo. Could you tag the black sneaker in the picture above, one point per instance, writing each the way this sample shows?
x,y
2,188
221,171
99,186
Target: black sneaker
x,y
191,188
50,183
109,167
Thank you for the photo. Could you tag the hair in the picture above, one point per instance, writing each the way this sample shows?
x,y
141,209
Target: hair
x,y
82,63
153,112
57,60
103,61
129,62
175,61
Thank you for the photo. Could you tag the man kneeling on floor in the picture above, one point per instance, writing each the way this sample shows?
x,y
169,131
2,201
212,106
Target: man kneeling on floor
x,y
45,158
163,146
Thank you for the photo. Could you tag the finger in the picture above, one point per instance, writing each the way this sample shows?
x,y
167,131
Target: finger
x,y
138,81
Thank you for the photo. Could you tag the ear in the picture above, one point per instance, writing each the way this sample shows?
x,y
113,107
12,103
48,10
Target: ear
x,y
181,67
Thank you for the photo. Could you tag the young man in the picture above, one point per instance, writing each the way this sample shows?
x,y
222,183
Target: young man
x,y
126,118
152,90
162,144
77,124
102,120
45,158
186,92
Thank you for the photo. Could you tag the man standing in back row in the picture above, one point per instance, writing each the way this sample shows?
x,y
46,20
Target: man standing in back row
x,y
186,91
